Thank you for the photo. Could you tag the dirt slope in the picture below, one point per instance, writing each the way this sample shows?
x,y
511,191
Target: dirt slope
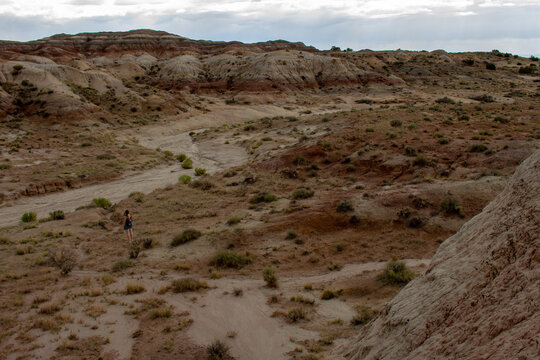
x,y
479,299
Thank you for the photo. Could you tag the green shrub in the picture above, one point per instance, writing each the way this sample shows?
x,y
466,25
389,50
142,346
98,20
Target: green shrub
x,y
218,350
230,259
263,198
187,164
29,217
478,148
186,236
168,153
396,273
187,285
185,179
270,276
4,166
302,193
490,66
102,202
200,171
501,119
344,206
57,215
181,157
451,205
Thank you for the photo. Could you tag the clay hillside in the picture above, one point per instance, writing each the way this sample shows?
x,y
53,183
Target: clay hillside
x,y
282,198
479,297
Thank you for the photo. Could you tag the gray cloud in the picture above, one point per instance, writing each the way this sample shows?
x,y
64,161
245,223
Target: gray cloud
x,y
510,29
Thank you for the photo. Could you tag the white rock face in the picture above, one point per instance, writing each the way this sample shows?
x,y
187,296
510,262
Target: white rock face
x,y
480,297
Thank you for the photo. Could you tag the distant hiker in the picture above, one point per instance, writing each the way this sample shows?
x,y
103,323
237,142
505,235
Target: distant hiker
x,y
128,226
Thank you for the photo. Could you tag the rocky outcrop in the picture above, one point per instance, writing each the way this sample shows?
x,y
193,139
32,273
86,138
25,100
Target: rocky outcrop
x,y
480,297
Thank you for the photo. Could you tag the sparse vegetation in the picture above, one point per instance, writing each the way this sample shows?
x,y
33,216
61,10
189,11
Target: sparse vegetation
x,y
218,350
186,236
187,285
133,288
302,193
29,217
270,276
200,171
57,215
231,259
296,314
263,197
102,202
344,206
185,179
363,316
396,273
187,163
451,205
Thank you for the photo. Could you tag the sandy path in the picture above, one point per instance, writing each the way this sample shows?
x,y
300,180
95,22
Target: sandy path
x,y
210,155
258,335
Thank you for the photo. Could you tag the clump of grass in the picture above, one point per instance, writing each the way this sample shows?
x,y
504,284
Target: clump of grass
x,y
263,197
296,314
28,217
218,350
202,184
302,193
57,215
132,288
160,313
270,276
478,148
299,160
187,163
344,206
396,123
121,265
335,267
451,205
303,300
186,236
330,294
64,259
101,202
421,161
396,273
231,259
181,157
200,171
363,316
187,285
185,179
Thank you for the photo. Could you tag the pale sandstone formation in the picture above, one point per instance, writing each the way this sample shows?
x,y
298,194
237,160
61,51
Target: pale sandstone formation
x,y
480,297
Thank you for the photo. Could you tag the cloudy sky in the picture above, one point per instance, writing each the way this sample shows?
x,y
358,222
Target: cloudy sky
x,y
454,25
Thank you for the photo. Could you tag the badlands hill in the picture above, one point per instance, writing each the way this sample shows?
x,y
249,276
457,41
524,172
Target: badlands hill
x,y
479,298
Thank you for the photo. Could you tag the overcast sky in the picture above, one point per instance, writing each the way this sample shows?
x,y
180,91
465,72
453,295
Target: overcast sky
x,y
453,25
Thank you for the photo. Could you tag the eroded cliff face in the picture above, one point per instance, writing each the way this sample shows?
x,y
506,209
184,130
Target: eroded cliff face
x,y
480,297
